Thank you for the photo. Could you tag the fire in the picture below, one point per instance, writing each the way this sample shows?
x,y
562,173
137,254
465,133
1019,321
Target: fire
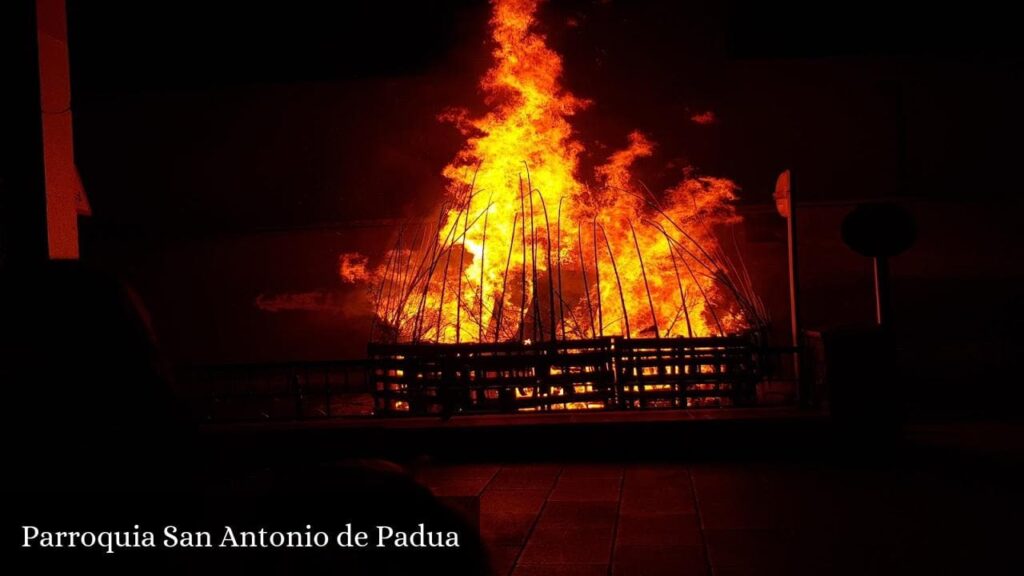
x,y
352,268
525,249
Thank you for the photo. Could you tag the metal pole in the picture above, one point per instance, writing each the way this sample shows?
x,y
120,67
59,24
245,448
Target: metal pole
x,y
881,266
794,296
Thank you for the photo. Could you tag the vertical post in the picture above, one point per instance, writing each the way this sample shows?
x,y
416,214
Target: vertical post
x,y
794,299
882,306
786,204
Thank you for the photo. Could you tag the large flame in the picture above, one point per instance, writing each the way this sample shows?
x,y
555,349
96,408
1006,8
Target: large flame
x,y
523,249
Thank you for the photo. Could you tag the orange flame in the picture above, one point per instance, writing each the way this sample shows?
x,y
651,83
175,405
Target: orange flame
x,y
525,250
352,268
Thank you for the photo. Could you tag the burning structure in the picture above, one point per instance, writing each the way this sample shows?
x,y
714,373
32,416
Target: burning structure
x,y
528,255
525,249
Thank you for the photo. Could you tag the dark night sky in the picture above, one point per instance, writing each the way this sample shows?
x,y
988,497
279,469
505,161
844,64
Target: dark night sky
x,y
199,45
122,45
260,115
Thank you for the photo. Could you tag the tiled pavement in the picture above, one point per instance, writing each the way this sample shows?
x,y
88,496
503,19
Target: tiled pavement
x,y
722,519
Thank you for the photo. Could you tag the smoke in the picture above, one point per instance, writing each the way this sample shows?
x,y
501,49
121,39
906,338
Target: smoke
x,y
704,118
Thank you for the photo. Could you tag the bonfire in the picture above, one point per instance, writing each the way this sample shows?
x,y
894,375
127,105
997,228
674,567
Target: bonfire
x,y
526,248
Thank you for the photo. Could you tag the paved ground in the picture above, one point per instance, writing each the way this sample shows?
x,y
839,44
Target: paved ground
x,y
916,512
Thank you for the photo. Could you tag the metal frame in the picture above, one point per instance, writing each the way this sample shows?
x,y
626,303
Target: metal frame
x,y
595,374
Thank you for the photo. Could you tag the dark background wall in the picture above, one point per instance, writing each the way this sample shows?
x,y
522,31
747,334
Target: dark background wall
x,y
232,153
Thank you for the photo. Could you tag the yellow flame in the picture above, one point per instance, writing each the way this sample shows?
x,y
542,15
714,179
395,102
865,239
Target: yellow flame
x,y
522,231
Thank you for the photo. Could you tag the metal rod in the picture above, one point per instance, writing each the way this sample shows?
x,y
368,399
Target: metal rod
x,y
647,287
551,283
522,304
444,285
561,301
504,279
538,329
483,253
597,279
462,257
618,281
704,295
679,281
696,281
586,285
385,279
434,252
794,294
883,309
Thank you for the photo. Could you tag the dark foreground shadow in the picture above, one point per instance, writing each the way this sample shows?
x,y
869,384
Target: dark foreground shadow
x,y
103,471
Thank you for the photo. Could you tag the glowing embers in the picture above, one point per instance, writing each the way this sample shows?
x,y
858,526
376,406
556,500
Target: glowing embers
x,y
510,377
685,373
594,374
556,398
